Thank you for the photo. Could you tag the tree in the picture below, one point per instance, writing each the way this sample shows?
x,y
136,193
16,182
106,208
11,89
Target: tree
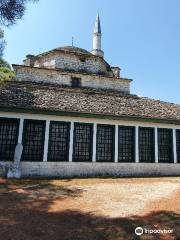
x,y
5,71
2,42
12,10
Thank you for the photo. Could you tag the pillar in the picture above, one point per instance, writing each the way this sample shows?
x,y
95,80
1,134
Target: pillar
x,y
156,145
137,144
46,141
71,142
174,146
116,144
94,141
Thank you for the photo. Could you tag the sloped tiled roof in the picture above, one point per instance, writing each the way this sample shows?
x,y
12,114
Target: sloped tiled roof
x,y
38,97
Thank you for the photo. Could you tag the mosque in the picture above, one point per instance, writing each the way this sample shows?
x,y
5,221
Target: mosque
x,y
74,115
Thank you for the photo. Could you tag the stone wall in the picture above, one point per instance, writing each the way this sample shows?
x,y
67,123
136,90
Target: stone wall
x,y
71,169
53,76
74,62
41,75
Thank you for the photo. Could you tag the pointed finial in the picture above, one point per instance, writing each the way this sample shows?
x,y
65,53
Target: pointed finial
x,y
97,27
72,41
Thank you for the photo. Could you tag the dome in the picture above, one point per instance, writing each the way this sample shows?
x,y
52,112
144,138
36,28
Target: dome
x,y
73,49
70,58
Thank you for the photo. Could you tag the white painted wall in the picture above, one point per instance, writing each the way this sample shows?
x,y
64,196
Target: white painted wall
x,y
78,169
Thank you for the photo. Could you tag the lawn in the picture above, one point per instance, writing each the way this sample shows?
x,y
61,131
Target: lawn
x,y
89,209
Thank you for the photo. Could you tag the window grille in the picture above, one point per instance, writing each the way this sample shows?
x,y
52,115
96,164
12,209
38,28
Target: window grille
x,y
165,145
146,144
58,149
105,143
83,142
126,144
33,140
9,129
178,144
76,82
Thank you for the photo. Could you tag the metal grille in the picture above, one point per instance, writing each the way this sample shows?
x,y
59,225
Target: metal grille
x,y
165,145
58,141
178,145
126,144
105,143
146,144
83,142
9,129
33,140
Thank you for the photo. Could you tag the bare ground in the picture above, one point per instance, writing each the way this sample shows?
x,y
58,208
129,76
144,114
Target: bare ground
x,y
89,209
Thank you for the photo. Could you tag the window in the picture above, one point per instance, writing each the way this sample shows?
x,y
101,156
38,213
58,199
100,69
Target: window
x,y
82,59
146,144
83,142
58,149
105,143
33,140
165,145
178,145
126,144
9,129
76,82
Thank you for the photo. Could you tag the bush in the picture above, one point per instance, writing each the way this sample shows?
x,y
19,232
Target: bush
x,y
6,73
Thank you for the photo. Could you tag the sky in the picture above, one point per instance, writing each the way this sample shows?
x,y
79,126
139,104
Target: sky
x,y
142,37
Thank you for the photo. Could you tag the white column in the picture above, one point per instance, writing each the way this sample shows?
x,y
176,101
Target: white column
x,y
137,144
156,145
174,145
46,141
21,125
71,142
116,144
94,142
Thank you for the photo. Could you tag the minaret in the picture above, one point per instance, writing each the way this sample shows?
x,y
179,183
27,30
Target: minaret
x,y
97,39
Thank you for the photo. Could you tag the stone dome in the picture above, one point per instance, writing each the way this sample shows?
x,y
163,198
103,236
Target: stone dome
x,y
73,49
70,58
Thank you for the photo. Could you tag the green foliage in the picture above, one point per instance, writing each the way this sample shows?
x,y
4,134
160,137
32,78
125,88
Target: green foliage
x,y
6,73
2,42
12,10
4,63
1,33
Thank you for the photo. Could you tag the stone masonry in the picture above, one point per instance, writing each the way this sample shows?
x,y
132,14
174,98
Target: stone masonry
x,y
55,76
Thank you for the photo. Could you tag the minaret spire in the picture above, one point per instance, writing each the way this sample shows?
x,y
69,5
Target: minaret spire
x,y
97,38
97,27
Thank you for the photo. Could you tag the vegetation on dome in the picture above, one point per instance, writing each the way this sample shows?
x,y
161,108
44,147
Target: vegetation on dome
x,y
73,49
30,56
70,49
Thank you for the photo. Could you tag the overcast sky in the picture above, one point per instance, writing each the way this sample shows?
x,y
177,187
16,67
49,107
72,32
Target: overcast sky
x,y
142,37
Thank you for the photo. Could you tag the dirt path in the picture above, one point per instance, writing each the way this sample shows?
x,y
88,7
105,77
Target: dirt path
x,y
88,209
116,200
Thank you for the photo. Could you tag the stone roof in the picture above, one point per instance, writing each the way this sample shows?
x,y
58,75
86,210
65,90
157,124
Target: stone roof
x,y
73,50
67,49
40,97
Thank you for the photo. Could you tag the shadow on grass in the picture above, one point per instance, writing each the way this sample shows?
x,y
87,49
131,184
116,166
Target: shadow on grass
x,y
24,215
